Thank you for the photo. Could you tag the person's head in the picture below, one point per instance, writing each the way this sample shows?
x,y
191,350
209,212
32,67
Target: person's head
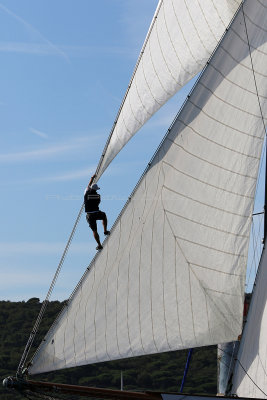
x,y
95,187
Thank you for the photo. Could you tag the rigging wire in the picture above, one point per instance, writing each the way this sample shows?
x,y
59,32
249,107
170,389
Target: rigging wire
x,y
264,126
45,303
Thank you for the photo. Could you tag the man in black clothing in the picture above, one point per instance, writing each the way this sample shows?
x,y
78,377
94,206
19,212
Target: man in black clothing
x,y
91,202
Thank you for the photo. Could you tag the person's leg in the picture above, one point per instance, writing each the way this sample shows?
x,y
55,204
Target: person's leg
x,y
92,223
96,236
105,223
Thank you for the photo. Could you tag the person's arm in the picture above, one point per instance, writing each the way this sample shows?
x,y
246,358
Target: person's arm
x,y
92,180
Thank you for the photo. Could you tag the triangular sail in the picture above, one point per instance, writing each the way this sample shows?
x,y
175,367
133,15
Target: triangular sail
x,y
181,38
172,273
250,377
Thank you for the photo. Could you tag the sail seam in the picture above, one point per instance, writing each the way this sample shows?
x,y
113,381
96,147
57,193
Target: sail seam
x,y
156,73
238,62
261,3
135,81
117,288
222,123
187,44
211,163
209,247
188,264
207,183
207,226
197,32
163,56
86,305
215,270
151,258
176,292
229,104
128,286
205,204
234,83
207,22
173,47
106,291
163,280
217,143
253,23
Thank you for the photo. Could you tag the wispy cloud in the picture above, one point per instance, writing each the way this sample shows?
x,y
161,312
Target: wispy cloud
x,y
39,133
56,49
68,176
44,248
50,151
43,49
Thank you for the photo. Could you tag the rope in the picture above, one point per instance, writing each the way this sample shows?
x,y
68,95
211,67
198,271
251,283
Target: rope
x,y
250,377
45,303
128,88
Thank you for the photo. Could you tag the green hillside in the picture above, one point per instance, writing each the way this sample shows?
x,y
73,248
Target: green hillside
x,y
157,372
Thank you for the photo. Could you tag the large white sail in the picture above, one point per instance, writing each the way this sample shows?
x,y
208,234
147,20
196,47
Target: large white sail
x,y
171,275
250,377
181,38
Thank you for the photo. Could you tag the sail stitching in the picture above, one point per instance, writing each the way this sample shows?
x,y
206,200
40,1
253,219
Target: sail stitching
x,y
229,104
85,309
211,163
163,56
238,61
215,270
192,21
184,37
261,3
218,13
217,143
173,47
207,226
107,288
163,280
74,324
234,83
156,73
151,263
133,113
207,22
205,204
209,247
222,123
117,286
186,260
128,287
176,292
149,88
100,282
207,183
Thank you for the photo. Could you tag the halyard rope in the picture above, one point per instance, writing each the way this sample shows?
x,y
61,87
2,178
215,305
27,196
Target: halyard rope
x,y
45,303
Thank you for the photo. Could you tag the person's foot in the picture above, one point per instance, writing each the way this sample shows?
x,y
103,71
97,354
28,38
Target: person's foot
x,y
99,247
106,233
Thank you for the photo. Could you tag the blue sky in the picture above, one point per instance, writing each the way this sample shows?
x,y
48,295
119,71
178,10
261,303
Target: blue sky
x,y
65,66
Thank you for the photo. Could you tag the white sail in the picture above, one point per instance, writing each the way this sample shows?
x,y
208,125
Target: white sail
x,y
171,275
250,377
181,38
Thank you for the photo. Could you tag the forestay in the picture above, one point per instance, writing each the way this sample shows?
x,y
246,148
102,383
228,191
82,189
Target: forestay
x,y
171,275
250,377
181,38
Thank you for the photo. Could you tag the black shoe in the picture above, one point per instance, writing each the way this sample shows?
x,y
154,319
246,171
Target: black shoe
x,y
107,233
99,247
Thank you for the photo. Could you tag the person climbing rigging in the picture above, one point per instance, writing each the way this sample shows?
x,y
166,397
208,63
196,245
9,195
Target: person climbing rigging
x,y
91,202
